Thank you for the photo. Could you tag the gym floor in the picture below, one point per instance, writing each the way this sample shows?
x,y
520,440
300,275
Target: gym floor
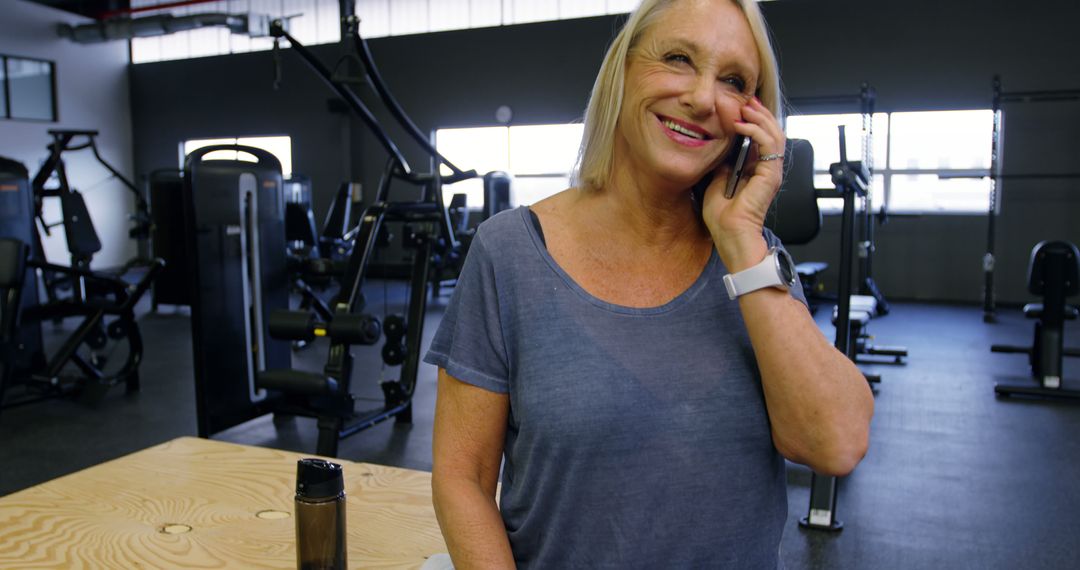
x,y
955,478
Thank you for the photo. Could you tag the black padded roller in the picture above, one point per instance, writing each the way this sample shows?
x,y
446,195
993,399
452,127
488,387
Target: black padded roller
x,y
355,329
292,325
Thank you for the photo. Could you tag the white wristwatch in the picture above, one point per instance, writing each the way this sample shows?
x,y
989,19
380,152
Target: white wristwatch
x,y
776,270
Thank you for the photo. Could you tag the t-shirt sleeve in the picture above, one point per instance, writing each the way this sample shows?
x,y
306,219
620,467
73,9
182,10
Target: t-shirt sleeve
x,y
469,341
796,289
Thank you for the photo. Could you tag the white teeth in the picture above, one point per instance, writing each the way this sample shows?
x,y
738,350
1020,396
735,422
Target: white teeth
x,y
683,130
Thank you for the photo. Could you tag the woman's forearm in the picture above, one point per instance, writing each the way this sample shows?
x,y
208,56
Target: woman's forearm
x,y
819,403
471,525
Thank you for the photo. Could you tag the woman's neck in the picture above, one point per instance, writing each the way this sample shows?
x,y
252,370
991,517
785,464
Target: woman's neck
x,y
644,213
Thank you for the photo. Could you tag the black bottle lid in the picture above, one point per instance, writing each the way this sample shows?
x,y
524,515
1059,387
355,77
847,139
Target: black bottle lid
x,y
318,479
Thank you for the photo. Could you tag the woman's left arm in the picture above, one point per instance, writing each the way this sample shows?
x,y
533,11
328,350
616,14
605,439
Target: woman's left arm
x,y
819,403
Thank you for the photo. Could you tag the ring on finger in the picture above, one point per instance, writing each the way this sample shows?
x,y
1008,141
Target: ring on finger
x,y
768,157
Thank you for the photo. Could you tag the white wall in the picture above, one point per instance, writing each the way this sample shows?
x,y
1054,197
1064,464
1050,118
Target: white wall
x,y
92,93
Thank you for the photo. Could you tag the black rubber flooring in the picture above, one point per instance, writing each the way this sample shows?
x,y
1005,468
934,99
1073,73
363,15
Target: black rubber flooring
x,y
955,477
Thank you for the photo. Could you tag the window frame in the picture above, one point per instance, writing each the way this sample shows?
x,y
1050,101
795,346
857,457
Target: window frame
x,y
828,206
54,109
471,205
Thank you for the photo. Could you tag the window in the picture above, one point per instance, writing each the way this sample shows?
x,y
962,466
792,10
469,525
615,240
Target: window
x,y
310,21
379,18
540,158
27,89
924,162
279,146
316,21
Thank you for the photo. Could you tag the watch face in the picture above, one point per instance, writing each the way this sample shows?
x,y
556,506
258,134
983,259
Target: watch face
x,y
786,267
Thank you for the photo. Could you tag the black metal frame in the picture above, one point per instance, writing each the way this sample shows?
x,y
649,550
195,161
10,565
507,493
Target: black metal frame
x,y
866,99
1052,274
92,330
335,407
6,87
63,142
852,180
997,159
106,296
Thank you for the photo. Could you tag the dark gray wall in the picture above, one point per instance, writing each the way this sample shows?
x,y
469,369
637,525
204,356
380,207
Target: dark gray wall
x,y
923,55
918,55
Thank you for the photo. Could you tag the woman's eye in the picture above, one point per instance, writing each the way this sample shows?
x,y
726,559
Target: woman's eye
x,y
736,82
677,58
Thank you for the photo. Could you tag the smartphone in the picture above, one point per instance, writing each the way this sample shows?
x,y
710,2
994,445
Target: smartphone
x,y
739,152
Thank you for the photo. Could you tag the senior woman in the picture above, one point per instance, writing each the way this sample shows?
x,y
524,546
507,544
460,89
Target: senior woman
x,y
632,351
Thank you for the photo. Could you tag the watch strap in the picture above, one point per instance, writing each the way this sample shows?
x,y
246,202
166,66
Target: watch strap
x,y
760,276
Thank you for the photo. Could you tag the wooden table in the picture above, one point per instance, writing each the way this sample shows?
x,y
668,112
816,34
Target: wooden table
x,y
196,503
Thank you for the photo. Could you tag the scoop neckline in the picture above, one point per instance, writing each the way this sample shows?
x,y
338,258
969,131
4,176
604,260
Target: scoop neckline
x,y
681,299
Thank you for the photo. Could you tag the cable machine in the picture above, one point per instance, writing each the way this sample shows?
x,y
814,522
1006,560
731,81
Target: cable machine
x,y
259,386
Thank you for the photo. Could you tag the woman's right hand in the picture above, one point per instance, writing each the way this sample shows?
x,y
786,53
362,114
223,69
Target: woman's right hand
x,y
736,223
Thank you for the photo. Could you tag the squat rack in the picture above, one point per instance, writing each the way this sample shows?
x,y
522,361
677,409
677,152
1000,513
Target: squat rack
x,y
997,178
866,100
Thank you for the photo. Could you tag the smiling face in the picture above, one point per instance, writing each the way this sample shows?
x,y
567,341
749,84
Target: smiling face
x,y
687,79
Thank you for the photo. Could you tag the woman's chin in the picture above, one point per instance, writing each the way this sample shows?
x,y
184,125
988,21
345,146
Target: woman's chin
x,y
686,179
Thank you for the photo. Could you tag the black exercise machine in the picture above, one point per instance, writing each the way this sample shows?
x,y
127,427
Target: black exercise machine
x,y
107,316
448,261
852,180
796,219
167,241
877,305
316,259
1053,274
244,373
17,222
82,238
235,244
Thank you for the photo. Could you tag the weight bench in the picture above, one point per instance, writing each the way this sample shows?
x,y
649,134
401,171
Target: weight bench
x,y
1054,274
863,308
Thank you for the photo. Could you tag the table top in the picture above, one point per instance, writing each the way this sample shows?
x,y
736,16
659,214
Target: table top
x,y
201,503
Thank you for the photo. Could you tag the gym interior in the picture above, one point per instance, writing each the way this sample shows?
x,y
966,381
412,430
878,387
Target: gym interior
x,y
936,245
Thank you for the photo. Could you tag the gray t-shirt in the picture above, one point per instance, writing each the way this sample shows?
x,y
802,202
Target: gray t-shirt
x,y
637,438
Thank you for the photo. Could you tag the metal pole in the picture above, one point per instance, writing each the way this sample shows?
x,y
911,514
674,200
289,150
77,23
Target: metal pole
x,y
822,513
989,315
866,226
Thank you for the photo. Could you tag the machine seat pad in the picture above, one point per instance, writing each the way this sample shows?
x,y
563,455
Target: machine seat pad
x,y
297,382
1035,311
857,316
810,268
865,303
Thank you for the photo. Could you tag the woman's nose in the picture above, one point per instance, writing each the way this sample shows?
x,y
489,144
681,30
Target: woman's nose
x,y
700,97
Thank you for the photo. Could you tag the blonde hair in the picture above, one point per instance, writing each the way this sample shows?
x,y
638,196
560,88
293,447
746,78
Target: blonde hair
x,y
595,155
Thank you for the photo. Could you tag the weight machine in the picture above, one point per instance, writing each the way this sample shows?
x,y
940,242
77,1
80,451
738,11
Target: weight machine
x,y
428,231
82,238
868,300
852,181
106,312
866,100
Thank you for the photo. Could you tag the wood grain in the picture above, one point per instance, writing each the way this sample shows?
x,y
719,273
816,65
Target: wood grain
x,y
114,515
